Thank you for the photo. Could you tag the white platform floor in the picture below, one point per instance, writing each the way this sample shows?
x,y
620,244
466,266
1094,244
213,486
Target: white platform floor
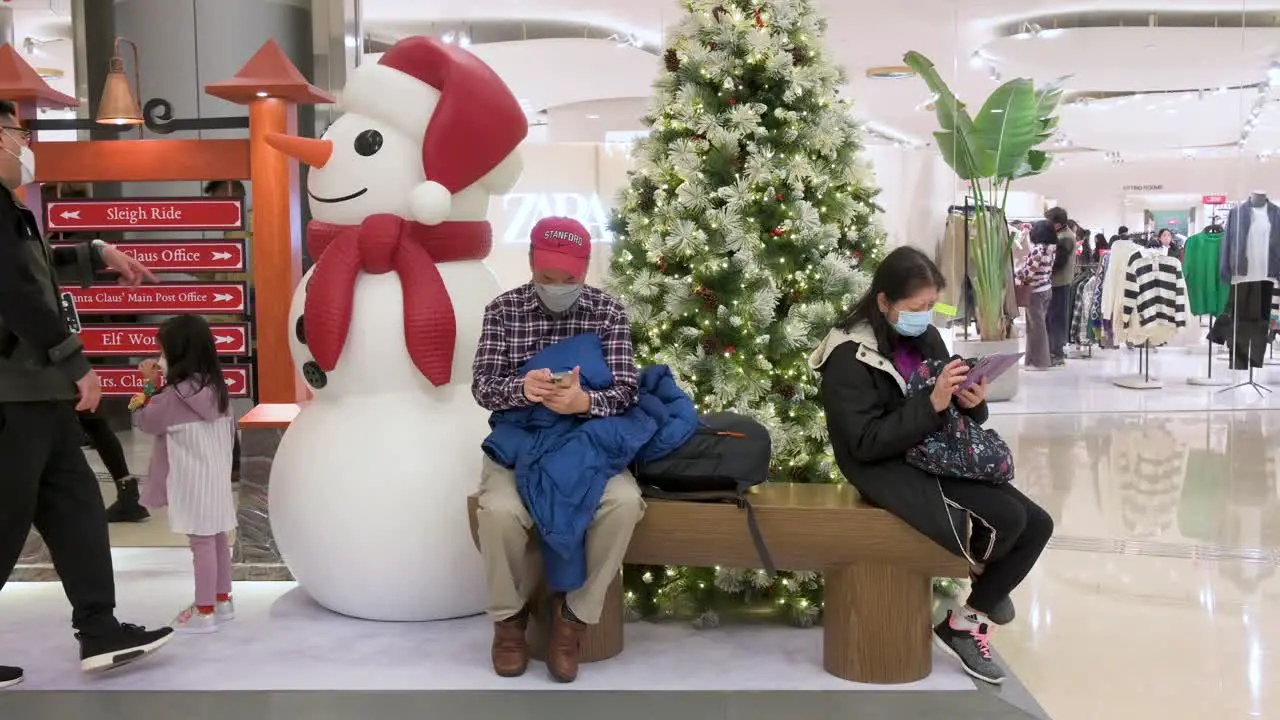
x,y
282,640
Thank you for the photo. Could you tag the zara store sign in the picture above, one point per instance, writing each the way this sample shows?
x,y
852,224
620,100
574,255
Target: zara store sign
x,y
520,211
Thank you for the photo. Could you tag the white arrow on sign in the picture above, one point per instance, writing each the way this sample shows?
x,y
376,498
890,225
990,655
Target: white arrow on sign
x,y
70,214
225,339
223,297
233,380
221,255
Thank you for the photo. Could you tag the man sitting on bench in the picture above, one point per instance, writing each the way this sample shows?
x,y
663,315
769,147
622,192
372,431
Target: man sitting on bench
x,y
555,306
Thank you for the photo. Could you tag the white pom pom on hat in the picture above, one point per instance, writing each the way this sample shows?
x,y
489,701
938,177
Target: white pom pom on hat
x,y
431,203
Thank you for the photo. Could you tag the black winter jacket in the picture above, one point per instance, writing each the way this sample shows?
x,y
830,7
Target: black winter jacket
x,y
872,425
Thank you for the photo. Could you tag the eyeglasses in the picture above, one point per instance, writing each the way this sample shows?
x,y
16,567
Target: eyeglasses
x,y
23,134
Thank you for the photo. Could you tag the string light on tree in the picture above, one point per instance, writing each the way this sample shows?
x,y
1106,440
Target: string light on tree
x,y
734,279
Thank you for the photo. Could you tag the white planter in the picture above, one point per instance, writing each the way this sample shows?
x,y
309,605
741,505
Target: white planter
x,y
1006,386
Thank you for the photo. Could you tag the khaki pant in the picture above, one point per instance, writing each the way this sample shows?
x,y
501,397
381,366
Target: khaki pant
x,y
512,554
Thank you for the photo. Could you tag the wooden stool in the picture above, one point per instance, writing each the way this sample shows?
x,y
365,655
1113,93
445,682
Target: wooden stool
x,y
599,642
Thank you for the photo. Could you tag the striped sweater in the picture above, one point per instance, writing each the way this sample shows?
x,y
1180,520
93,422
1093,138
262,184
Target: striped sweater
x,y
1036,272
1155,298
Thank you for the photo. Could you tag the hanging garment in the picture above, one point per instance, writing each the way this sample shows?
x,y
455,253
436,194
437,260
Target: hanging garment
x,y
1084,318
1207,291
1113,282
1247,254
951,263
1155,299
1245,325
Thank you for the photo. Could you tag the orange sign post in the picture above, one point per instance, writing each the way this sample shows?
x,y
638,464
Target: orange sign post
x,y
273,88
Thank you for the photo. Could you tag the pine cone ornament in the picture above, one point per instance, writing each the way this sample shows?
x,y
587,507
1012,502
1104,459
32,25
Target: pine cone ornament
x,y
787,391
709,345
799,56
717,12
672,60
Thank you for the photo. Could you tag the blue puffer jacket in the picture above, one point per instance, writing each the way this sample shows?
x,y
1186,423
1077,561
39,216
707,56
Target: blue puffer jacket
x,y
562,462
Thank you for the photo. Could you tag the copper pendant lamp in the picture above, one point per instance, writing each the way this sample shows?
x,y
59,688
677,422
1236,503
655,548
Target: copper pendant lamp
x,y
118,105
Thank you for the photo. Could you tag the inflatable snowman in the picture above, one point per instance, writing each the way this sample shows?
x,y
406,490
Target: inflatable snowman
x,y
369,485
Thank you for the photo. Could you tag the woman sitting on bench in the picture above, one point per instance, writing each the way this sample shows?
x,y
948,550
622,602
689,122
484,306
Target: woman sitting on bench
x,y
865,363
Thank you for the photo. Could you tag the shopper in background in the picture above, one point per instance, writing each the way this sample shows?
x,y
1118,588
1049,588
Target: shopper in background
x,y
190,470
1100,247
1064,271
554,306
1166,242
865,362
45,380
1036,273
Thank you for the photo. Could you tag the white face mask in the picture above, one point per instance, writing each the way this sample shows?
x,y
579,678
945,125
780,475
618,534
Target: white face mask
x,y
558,298
27,160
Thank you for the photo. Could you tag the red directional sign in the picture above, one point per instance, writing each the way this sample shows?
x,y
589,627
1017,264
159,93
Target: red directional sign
x,y
118,381
152,214
163,299
184,255
1214,200
138,340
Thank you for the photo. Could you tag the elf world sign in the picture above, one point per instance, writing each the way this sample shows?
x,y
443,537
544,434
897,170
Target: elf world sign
x,y
231,339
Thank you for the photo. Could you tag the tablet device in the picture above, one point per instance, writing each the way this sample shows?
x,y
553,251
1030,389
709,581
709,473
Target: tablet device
x,y
990,368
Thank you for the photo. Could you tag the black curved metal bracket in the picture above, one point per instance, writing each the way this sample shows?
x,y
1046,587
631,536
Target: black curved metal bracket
x,y
157,116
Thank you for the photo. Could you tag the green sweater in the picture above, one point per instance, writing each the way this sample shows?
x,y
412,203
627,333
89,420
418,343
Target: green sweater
x,y
1206,291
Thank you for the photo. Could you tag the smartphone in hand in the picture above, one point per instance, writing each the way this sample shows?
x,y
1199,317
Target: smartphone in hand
x,y
561,379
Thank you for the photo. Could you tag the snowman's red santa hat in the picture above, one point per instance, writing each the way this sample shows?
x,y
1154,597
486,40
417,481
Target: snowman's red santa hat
x,y
469,120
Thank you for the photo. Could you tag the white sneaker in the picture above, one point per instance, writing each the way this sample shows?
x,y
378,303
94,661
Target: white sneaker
x,y
226,611
193,622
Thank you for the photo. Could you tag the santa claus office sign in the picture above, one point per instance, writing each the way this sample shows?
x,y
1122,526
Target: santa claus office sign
x,y
520,211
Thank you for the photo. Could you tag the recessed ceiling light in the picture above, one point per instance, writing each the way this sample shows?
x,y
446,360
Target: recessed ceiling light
x,y
593,117
890,72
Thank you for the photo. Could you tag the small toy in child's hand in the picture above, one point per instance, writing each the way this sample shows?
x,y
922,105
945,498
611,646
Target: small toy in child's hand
x,y
137,401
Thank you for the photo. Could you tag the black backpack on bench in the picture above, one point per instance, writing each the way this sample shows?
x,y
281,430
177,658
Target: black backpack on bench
x,y
727,456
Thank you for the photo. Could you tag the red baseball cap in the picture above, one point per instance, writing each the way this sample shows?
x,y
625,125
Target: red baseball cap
x,y
561,243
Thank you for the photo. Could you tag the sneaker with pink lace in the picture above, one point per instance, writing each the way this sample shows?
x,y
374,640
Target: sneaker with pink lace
x,y
193,622
966,638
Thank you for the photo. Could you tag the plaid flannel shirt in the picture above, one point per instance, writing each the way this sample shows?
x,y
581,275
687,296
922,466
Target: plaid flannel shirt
x,y
516,327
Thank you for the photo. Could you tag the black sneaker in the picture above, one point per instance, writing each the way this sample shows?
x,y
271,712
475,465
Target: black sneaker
x,y
120,647
971,647
9,676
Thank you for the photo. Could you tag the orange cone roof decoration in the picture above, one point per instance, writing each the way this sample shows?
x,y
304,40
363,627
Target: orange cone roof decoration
x,y
269,73
20,83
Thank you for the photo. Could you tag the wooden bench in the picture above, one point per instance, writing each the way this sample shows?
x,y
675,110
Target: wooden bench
x,y
878,572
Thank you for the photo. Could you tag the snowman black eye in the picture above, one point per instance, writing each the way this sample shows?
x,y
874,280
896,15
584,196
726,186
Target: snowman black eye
x,y
368,142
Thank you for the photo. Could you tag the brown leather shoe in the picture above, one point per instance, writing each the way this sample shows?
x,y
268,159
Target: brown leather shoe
x,y
563,647
510,649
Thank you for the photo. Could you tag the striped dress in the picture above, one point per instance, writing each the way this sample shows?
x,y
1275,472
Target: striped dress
x,y
190,470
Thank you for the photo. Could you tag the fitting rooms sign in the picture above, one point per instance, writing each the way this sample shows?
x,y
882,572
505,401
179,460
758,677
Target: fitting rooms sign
x,y
520,211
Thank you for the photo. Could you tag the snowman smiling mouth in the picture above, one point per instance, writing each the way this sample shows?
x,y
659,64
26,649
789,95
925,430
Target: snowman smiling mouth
x,y
344,198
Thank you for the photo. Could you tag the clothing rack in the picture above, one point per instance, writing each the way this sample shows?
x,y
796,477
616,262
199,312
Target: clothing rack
x,y
1142,381
1257,387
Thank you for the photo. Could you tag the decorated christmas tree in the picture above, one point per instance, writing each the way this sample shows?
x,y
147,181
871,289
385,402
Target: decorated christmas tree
x,y
747,228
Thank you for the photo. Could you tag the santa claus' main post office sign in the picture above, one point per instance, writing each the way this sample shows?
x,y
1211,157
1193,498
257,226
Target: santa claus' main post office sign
x,y
162,299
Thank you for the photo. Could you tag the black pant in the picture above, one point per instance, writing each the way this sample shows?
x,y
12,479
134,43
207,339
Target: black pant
x,y
1009,533
1245,327
106,443
46,481
1059,320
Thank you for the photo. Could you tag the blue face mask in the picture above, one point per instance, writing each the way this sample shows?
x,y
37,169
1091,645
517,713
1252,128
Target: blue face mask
x,y
913,323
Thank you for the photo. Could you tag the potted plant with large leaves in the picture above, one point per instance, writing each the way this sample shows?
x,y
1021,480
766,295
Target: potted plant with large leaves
x,y
991,151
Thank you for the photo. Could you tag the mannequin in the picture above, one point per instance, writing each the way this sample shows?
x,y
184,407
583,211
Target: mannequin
x,y
1250,261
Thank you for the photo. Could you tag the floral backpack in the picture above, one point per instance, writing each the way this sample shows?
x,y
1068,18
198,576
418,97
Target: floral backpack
x,y
962,448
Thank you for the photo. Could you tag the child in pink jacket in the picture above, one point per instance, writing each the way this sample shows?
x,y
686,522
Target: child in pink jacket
x,y
190,469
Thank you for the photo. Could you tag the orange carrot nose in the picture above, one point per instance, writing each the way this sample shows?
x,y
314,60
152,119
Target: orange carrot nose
x,y
315,153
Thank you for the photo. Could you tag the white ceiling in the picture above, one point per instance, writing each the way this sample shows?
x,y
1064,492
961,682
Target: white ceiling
x,y
866,33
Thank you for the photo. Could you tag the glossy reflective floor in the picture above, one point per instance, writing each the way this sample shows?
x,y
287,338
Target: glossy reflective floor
x,y
1159,596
